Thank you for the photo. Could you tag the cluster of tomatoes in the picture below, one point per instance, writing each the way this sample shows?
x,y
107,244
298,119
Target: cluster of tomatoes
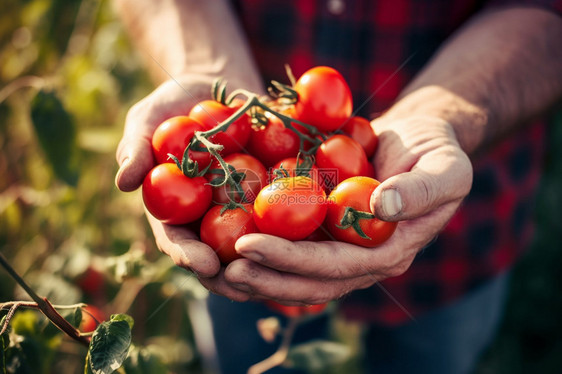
x,y
295,165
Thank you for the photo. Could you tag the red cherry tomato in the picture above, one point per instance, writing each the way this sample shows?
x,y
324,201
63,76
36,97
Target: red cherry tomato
x,y
174,198
356,193
210,113
290,165
360,130
273,143
341,157
291,208
220,231
92,316
321,234
295,311
253,182
91,281
173,135
324,98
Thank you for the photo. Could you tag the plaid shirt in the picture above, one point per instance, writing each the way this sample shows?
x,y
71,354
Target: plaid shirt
x,y
379,46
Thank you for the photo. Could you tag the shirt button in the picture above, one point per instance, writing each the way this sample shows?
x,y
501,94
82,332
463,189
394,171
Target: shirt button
x,y
336,7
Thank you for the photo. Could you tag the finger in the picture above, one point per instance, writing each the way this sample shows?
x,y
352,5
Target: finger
x,y
218,285
326,260
134,153
261,282
441,176
185,250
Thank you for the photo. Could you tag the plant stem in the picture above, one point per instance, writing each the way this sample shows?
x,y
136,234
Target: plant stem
x,y
282,352
26,81
45,306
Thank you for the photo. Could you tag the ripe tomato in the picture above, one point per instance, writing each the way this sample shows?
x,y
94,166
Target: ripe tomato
x,y
291,208
295,311
273,143
174,198
92,316
220,231
360,130
173,135
339,158
321,234
324,98
356,193
253,182
210,113
290,165
91,281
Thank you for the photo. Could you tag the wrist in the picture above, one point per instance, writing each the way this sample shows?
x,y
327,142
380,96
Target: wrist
x,y
467,119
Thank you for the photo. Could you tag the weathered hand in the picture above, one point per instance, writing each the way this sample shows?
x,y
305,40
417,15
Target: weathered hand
x,y
134,155
425,176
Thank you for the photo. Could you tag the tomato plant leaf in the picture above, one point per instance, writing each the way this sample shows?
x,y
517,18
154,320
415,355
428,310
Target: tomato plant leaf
x,y
143,361
56,133
123,317
110,344
75,318
318,355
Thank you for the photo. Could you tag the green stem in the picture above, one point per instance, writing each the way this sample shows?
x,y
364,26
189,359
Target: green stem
x,y
252,100
351,218
44,305
282,352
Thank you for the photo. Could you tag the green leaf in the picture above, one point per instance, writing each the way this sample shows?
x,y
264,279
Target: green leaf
x,y
25,323
318,355
143,361
123,317
56,133
110,344
75,318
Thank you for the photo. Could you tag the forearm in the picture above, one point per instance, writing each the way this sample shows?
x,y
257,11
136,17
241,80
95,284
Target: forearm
x,y
190,37
500,70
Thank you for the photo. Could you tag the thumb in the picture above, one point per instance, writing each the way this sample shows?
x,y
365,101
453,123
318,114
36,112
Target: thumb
x,y
134,153
433,181
134,156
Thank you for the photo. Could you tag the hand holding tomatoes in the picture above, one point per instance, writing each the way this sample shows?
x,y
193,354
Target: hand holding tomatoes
x,y
424,186
424,178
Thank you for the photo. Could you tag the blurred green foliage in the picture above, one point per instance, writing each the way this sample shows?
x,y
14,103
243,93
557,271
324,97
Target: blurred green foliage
x,y
57,235
67,76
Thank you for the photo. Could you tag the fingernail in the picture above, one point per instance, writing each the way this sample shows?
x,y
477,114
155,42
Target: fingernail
x,y
391,202
120,171
124,163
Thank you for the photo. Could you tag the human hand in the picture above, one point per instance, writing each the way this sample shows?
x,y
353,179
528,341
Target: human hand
x,y
425,175
134,155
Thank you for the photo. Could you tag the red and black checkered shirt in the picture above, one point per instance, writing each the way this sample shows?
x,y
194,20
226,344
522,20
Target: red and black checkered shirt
x,y
379,46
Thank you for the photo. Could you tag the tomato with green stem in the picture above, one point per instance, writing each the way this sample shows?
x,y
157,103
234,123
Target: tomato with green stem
x,y
223,225
290,207
211,113
92,316
273,142
297,166
349,217
174,198
324,99
172,137
249,172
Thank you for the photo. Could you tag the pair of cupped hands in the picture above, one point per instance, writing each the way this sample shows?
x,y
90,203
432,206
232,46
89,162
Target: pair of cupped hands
x,y
424,173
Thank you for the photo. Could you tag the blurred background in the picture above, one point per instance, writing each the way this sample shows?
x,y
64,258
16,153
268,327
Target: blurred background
x,y
67,78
